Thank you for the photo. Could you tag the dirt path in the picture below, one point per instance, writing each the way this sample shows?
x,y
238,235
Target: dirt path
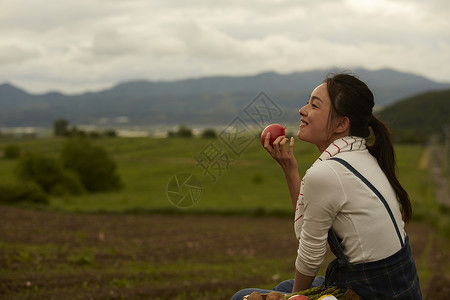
x,y
436,165
69,256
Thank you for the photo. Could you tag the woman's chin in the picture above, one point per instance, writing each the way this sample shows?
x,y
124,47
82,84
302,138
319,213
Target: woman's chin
x,y
304,138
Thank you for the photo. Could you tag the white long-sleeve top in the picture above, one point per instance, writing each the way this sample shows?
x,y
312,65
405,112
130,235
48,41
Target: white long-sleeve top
x,y
332,196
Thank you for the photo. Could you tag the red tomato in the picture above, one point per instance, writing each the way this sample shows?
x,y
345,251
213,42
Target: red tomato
x,y
275,130
298,297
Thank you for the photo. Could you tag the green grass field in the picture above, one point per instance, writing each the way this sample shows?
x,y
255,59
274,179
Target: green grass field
x,y
248,182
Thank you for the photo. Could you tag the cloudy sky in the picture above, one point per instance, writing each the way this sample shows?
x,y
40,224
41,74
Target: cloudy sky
x,y
74,46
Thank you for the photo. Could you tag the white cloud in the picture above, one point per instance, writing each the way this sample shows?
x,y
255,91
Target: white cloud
x,y
12,53
89,44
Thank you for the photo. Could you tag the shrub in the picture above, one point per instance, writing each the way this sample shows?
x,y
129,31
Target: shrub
x,y
69,184
49,174
209,133
20,193
183,132
257,178
110,133
12,151
95,168
45,171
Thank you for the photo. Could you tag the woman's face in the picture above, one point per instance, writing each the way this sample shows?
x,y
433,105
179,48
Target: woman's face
x,y
315,117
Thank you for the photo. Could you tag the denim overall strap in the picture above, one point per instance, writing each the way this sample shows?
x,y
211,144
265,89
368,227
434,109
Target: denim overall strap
x,y
394,277
341,260
335,247
374,189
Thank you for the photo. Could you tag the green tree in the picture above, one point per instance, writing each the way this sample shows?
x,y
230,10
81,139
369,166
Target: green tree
x,y
184,131
95,168
60,127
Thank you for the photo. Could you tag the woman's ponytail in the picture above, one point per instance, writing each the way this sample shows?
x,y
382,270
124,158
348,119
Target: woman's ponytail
x,y
352,98
383,150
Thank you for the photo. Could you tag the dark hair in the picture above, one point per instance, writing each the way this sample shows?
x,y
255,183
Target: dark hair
x,y
352,98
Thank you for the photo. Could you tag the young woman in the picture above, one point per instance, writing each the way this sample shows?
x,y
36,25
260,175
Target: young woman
x,y
350,197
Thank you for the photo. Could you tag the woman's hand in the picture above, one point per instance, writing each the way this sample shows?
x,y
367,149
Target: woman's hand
x,y
285,157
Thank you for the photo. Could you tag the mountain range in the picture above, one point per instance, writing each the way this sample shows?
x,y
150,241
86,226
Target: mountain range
x,y
207,100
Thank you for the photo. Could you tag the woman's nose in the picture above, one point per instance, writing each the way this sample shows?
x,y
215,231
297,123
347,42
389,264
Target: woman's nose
x,y
302,111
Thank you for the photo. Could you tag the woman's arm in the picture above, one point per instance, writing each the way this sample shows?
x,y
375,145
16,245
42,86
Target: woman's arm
x,y
293,181
286,159
302,282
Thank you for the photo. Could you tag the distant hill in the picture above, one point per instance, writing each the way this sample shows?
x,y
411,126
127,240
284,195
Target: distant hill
x,y
415,118
210,100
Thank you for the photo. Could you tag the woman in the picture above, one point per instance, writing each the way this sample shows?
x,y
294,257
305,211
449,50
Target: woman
x,y
350,197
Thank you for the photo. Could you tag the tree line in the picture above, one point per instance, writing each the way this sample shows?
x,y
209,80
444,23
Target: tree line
x,y
62,128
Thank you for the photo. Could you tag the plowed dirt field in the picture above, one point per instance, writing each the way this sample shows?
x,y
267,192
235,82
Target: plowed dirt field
x,y
49,255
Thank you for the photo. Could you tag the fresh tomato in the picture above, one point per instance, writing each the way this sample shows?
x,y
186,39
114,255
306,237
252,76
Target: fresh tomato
x,y
298,297
275,130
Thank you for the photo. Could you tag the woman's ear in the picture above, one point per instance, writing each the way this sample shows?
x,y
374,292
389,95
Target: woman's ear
x,y
343,125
